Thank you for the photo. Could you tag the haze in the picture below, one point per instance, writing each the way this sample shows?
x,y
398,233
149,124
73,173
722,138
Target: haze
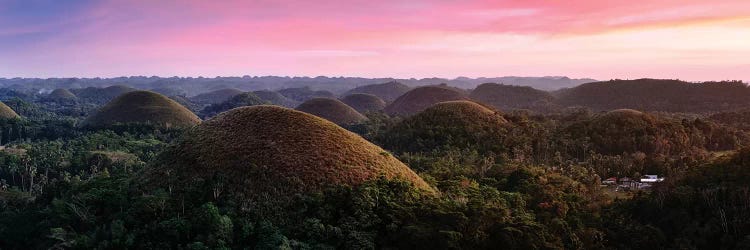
x,y
686,39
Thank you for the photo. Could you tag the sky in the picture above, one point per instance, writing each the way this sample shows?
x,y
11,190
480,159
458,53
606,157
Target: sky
x,y
694,40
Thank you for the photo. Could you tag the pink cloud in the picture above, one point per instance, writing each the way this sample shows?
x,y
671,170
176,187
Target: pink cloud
x,y
384,38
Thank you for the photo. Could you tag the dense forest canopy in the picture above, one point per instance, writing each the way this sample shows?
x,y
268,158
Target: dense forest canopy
x,y
505,167
658,95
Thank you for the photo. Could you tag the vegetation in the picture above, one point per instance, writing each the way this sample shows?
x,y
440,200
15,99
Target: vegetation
x,y
275,98
453,124
215,97
143,107
7,112
305,93
364,103
101,95
457,174
269,150
61,96
332,110
506,97
241,100
658,95
421,98
388,91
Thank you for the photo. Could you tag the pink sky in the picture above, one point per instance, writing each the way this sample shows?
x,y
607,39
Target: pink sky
x,y
686,39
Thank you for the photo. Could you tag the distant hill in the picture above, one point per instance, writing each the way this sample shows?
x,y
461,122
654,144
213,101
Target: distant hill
x,y
421,98
658,95
337,85
275,98
547,83
169,91
507,97
332,110
364,103
388,91
461,124
241,100
305,93
61,95
143,107
101,95
274,153
186,102
216,96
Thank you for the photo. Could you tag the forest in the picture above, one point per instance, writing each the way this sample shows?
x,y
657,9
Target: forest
x,y
507,167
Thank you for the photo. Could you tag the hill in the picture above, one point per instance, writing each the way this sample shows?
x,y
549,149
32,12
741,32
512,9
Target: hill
x,y
332,110
61,95
143,107
169,91
513,97
7,112
241,100
305,93
461,124
185,102
421,98
364,103
275,98
630,131
658,95
388,91
739,119
101,95
275,152
216,96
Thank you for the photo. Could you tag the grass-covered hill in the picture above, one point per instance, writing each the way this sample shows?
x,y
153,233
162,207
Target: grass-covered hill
x,y
241,100
658,95
7,112
305,93
61,95
275,98
332,110
271,152
460,124
421,98
216,96
364,103
508,97
388,91
101,95
143,107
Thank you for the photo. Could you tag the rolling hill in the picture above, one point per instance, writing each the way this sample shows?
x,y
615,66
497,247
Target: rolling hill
x,y
388,91
143,107
658,95
421,98
508,97
275,98
364,103
332,110
273,153
216,96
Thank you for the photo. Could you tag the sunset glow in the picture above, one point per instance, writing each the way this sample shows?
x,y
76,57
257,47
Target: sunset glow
x,y
686,39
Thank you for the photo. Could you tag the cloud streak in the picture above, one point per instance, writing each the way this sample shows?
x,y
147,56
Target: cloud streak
x,y
376,38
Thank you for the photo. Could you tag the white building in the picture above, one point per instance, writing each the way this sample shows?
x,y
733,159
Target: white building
x,y
651,179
